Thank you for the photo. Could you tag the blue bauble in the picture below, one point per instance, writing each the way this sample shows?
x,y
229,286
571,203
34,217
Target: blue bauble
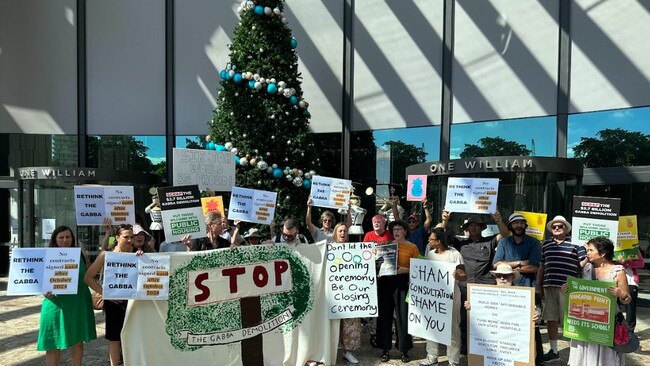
x,y
224,75
251,84
209,146
293,100
236,160
237,78
233,67
306,112
294,42
306,183
272,89
259,10
220,148
277,173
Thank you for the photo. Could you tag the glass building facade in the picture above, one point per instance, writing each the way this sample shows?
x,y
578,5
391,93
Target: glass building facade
x,y
390,84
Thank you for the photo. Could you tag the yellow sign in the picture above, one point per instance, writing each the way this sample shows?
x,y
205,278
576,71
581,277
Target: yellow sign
x,y
536,224
209,204
628,233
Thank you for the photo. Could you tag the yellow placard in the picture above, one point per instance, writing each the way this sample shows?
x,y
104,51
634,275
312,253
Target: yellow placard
x,y
536,224
628,233
209,204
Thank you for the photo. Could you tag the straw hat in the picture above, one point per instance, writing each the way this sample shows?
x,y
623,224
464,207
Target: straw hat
x,y
505,269
560,219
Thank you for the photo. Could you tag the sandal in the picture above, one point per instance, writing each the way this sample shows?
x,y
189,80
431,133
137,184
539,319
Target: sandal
x,y
384,357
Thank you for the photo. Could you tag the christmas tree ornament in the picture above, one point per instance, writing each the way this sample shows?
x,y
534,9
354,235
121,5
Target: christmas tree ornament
x,y
272,137
307,175
228,145
243,161
253,162
251,84
234,149
269,170
245,135
272,89
282,84
208,138
306,183
268,154
209,146
297,181
237,78
262,165
256,77
288,142
258,85
274,166
268,11
262,80
276,11
236,159
231,73
259,10
277,173
293,43
293,100
220,148
289,177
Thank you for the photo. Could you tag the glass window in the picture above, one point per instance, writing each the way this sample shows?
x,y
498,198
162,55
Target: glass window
x,y
40,150
190,142
610,138
517,137
144,154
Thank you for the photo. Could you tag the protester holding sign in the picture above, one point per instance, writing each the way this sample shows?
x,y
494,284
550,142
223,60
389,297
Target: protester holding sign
x,y
417,233
214,226
66,320
520,251
115,310
601,267
326,221
392,292
440,250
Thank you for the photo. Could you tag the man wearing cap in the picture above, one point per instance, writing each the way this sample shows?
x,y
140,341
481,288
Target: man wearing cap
x,y
520,251
418,234
560,259
379,234
477,252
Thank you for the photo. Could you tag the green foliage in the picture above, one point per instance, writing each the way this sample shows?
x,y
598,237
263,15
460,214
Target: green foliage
x,y
614,147
402,156
118,152
494,146
263,126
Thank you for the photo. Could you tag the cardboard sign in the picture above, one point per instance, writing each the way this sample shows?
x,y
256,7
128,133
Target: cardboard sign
x,y
208,169
181,212
386,260
127,276
416,188
431,300
590,311
473,195
36,271
210,204
627,245
352,284
252,205
330,192
94,203
501,330
536,224
594,216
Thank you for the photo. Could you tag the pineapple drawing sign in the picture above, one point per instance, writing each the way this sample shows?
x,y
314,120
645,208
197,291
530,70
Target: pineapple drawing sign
x,y
417,188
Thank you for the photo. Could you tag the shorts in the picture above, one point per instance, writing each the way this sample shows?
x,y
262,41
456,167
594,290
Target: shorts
x,y
554,303
115,314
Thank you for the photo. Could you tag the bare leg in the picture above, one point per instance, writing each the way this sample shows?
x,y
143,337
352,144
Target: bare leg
x,y
53,357
114,352
77,351
552,330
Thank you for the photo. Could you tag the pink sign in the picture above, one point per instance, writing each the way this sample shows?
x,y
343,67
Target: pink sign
x,y
416,188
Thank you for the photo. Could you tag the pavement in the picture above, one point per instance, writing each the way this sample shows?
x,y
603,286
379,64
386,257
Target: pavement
x,y
19,318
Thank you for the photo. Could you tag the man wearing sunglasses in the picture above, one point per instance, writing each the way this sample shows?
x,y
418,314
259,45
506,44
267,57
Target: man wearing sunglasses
x,y
560,259
290,235
418,234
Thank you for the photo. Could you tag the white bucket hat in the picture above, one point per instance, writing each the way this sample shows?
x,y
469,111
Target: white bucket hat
x,y
504,268
560,219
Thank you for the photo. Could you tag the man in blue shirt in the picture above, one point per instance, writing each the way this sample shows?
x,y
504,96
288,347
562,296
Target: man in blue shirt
x,y
520,251
418,234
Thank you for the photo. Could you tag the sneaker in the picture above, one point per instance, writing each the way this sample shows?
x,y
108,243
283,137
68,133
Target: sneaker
x,y
348,356
550,356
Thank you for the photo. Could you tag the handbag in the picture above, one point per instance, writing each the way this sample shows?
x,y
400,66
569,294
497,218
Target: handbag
x,y
98,301
625,341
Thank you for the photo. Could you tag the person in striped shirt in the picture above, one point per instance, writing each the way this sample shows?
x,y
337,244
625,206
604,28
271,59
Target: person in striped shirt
x,y
560,259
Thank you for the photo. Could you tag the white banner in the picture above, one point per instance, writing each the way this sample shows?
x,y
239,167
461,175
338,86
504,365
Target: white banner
x,y
252,205
351,280
431,300
474,195
500,324
94,203
330,192
127,276
36,271
208,169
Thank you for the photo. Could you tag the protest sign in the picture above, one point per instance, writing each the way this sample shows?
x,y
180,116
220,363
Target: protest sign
x,y
473,195
181,212
594,216
214,170
386,259
127,276
48,226
38,270
330,192
590,311
431,300
536,224
352,286
627,245
252,205
500,325
209,204
416,187
94,203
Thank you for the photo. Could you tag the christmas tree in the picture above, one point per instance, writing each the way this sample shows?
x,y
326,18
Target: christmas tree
x,y
261,114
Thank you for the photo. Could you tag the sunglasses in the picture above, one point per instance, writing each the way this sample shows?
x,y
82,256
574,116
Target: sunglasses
x,y
560,226
412,221
502,275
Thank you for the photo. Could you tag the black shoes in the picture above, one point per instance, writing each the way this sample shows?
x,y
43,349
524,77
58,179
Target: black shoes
x,y
384,357
406,358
